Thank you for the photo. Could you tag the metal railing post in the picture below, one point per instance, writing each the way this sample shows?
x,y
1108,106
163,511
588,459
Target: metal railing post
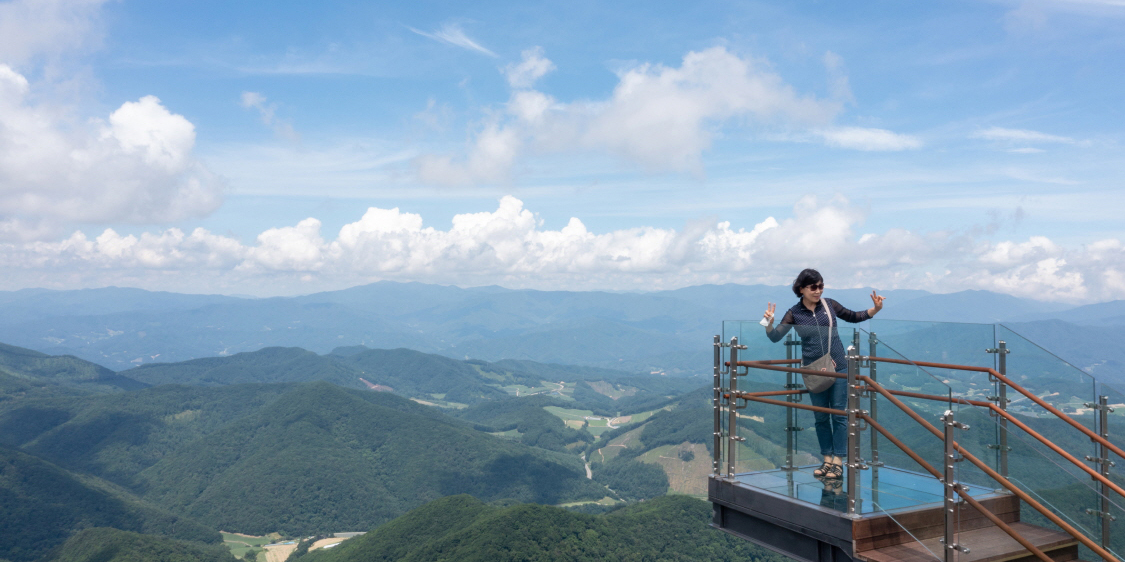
x,y
873,406
790,413
949,483
716,460
872,344
732,410
1001,399
854,463
1103,461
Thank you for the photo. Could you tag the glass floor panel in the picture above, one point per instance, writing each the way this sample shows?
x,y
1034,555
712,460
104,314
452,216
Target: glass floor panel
x,y
894,489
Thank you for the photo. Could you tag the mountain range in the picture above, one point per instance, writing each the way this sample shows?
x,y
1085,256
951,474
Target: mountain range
x,y
663,332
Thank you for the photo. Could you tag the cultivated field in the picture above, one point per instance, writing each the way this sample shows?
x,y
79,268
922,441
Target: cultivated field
x,y
239,543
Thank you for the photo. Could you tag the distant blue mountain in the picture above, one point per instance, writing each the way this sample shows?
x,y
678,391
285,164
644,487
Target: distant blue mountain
x,y
1102,314
969,306
666,331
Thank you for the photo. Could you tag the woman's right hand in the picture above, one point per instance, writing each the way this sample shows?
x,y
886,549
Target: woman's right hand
x,y
771,308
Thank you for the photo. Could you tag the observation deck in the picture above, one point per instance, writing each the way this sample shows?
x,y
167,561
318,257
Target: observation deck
x,y
1000,451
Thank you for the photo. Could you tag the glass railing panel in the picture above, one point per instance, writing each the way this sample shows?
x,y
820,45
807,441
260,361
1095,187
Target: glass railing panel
x,y
947,343
1050,479
1054,381
896,480
774,437
763,444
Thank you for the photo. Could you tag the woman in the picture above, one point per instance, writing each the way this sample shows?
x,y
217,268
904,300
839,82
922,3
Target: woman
x,y
812,321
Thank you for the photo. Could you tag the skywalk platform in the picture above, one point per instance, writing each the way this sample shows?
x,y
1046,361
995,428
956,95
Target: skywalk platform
x,y
898,517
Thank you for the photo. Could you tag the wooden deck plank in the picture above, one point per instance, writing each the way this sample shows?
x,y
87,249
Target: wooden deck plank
x,y
988,544
880,531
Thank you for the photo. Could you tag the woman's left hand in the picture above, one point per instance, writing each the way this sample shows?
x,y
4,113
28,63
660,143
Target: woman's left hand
x,y
875,298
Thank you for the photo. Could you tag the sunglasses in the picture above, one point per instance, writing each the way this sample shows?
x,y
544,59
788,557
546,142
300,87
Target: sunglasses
x,y
817,287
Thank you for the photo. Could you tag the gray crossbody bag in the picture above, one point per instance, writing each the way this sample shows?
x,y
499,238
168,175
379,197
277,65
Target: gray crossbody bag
x,y
818,383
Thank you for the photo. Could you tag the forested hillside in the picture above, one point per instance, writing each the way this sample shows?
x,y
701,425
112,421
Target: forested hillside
x,y
271,364
106,544
115,436
462,528
69,371
425,375
41,505
323,458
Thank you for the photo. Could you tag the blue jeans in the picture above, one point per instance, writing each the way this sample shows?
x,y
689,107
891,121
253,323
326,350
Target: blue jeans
x,y
832,434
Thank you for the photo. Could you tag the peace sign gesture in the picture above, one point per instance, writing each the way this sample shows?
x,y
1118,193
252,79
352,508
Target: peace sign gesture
x,y
875,298
767,318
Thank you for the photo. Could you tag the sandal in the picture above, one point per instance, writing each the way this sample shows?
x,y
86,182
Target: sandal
x,y
823,470
834,471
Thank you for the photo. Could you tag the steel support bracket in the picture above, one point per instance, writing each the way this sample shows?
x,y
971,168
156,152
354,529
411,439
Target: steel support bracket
x,y
955,546
1100,460
1096,406
1102,514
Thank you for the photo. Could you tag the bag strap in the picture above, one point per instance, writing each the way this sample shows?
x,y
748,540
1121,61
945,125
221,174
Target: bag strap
x,y
827,313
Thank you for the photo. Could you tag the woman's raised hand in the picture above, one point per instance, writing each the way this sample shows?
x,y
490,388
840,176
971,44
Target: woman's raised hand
x,y
875,298
767,318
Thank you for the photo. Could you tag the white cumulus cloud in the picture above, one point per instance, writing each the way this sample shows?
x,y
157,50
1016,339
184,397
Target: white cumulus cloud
x,y
531,68
509,246
662,118
134,166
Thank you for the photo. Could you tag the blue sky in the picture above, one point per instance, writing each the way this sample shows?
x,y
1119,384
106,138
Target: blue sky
x,y
580,145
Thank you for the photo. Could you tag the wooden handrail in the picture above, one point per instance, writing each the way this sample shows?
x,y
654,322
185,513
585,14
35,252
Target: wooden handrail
x,y
960,491
1008,416
992,473
753,398
1030,396
773,392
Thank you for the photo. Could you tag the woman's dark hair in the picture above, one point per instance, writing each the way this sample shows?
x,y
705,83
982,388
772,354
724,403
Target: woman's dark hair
x,y
806,278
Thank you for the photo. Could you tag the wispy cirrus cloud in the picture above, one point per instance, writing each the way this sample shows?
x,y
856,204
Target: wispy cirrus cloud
x,y
862,138
31,29
1020,135
452,34
268,113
